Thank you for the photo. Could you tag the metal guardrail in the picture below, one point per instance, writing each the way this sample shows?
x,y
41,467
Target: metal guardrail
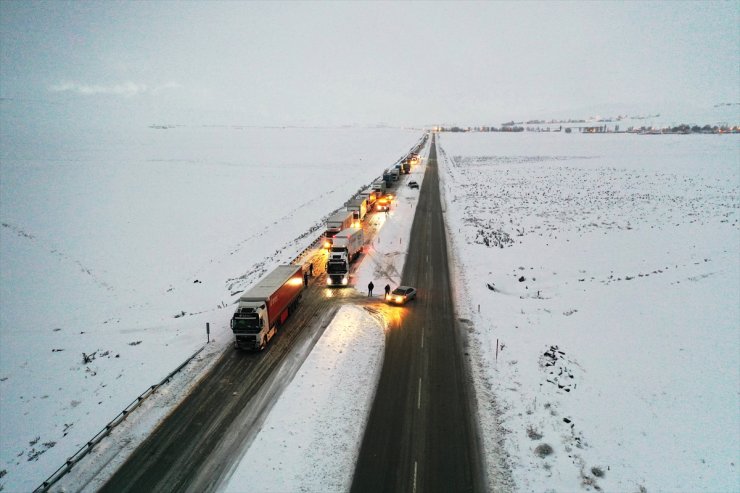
x,y
85,449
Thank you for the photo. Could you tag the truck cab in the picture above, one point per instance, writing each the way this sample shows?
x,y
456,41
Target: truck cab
x,y
248,323
337,267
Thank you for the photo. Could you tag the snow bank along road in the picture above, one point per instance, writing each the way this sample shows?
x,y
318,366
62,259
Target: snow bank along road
x,y
421,434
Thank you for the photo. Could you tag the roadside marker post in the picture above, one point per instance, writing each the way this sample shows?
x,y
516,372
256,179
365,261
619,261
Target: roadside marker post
x,y
208,332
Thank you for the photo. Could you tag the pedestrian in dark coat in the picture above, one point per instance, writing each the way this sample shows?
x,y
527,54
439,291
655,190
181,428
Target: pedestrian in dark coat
x,y
310,270
387,290
370,288
305,278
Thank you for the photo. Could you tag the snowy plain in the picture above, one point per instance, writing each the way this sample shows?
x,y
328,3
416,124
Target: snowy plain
x,y
599,278
122,246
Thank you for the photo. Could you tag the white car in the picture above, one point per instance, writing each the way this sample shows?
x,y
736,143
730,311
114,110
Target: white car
x,y
401,295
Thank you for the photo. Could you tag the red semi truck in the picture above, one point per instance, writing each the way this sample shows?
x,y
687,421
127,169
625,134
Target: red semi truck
x,y
264,308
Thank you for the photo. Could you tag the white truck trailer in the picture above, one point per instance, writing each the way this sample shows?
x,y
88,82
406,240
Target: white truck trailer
x,y
379,187
264,308
347,246
337,222
358,206
370,196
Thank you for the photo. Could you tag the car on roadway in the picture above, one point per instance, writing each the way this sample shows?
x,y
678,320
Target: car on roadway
x,y
401,295
413,184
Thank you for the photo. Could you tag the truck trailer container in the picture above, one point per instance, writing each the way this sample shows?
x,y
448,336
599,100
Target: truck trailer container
x,y
266,306
396,172
379,187
336,223
370,196
358,207
347,246
388,178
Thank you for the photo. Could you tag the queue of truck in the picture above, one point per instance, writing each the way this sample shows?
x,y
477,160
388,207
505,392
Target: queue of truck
x,y
264,308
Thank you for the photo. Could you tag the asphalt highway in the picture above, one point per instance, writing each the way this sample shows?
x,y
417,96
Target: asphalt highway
x,y
422,434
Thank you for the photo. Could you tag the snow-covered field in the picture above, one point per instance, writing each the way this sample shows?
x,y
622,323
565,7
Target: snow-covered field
x,y
599,277
122,247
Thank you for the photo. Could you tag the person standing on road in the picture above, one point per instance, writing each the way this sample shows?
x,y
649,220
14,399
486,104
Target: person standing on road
x,y
370,288
305,278
387,290
310,269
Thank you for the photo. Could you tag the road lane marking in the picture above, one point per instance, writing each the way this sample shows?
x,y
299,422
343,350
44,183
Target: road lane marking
x,y
422,337
415,464
418,397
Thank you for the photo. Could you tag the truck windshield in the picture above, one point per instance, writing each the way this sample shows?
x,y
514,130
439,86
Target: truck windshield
x,y
248,323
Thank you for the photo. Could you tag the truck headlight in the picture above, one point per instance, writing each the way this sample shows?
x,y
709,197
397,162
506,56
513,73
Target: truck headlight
x,y
344,281
328,280
399,299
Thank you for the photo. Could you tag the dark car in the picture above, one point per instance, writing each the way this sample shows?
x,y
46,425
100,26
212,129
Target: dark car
x,y
413,184
401,295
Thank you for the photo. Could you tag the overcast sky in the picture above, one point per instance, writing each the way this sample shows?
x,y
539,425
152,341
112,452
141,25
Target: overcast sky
x,y
353,62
